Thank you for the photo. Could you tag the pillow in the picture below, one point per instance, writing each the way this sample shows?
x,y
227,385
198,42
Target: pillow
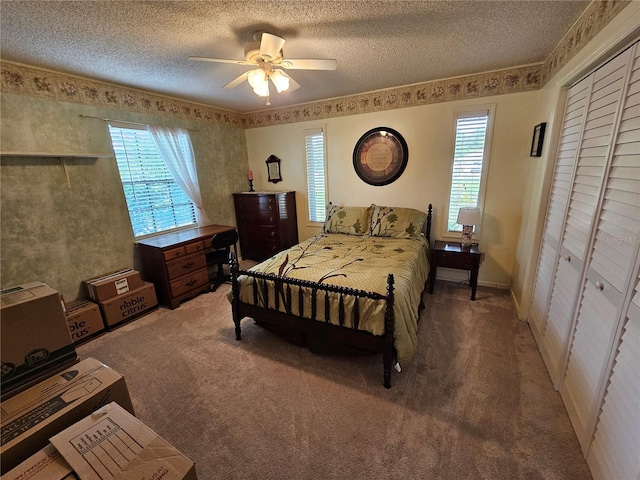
x,y
349,220
396,222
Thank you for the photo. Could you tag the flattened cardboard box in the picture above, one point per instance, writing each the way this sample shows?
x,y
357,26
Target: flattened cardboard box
x,y
129,305
32,416
35,337
113,284
111,444
47,464
83,319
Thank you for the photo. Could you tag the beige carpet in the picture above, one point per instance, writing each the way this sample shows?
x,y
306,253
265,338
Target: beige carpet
x,y
476,403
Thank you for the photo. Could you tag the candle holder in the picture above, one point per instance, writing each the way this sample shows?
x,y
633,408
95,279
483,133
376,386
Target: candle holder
x,y
251,186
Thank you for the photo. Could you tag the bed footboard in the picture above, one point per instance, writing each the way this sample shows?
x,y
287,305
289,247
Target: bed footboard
x,y
303,322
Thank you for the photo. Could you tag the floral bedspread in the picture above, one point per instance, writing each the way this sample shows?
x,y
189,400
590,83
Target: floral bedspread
x,y
354,261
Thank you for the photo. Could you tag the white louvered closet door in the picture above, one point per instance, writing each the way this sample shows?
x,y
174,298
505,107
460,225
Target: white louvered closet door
x,y
570,135
605,101
615,451
612,257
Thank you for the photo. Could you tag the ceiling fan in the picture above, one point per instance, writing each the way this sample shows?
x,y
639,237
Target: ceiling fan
x,y
265,52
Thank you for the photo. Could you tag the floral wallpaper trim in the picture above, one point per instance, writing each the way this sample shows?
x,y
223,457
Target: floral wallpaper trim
x,y
511,80
26,80
596,16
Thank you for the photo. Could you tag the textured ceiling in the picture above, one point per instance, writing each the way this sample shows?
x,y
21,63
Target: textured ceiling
x,y
377,44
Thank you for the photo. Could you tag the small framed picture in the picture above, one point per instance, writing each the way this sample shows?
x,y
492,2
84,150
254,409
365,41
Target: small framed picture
x,y
538,138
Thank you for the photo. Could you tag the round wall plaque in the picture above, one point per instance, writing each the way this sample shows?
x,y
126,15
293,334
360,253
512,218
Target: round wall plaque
x,y
380,156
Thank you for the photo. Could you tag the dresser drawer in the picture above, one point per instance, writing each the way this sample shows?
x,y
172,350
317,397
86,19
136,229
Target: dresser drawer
x,y
194,247
180,252
270,248
186,264
262,232
257,216
464,261
174,253
255,202
259,250
189,282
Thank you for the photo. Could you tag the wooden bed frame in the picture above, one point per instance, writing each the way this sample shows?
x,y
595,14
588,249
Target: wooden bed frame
x,y
319,336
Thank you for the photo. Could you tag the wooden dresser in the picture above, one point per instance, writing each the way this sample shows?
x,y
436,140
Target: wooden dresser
x,y
175,263
267,222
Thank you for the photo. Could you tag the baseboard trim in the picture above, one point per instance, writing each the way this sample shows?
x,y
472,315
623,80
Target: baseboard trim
x,y
458,276
516,305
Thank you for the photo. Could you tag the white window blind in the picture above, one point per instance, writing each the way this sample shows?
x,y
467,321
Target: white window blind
x,y
316,174
155,201
468,159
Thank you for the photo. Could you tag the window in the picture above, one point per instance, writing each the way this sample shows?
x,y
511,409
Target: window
x,y
469,163
155,201
316,174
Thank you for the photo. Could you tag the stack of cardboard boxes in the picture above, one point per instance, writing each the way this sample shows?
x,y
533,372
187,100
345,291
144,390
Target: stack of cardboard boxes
x,y
114,299
35,337
122,296
79,424
39,331
64,418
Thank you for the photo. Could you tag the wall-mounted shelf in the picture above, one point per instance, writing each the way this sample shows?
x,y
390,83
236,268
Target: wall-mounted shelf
x,y
62,157
56,155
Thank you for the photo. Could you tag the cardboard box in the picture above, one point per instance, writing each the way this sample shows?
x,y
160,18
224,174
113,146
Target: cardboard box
x,y
113,284
35,337
32,416
47,464
83,319
129,305
120,448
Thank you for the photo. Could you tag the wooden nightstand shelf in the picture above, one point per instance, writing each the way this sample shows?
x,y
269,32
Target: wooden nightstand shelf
x,y
453,255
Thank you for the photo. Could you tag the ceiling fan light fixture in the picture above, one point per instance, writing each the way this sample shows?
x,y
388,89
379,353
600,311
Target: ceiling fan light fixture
x,y
262,90
280,80
257,78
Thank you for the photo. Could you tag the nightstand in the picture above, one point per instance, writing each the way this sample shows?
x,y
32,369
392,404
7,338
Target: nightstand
x,y
453,255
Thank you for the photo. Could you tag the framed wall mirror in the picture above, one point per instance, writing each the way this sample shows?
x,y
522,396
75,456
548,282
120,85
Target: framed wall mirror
x,y
273,169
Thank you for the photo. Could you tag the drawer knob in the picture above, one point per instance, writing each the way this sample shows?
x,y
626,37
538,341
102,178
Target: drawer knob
x,y
188,265
271,219
600,285
273,234
567,258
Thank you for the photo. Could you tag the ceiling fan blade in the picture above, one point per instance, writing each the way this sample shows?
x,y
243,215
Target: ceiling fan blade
x,y
293,85
270,45
309,64
219,60
237,81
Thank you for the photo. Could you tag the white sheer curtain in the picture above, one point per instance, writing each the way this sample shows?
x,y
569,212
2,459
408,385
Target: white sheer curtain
x,y
176,150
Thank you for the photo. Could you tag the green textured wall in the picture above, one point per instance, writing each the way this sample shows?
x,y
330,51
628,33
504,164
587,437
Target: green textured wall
x,y
60,235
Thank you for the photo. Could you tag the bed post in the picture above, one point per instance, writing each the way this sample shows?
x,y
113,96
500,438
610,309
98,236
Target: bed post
x,y
429,215
389,323
235,289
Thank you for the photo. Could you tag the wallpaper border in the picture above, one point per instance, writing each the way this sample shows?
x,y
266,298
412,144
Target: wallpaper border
x,y
27,80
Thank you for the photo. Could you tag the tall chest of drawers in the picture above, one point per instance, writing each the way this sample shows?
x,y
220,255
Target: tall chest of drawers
x,y
267,222
176,264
